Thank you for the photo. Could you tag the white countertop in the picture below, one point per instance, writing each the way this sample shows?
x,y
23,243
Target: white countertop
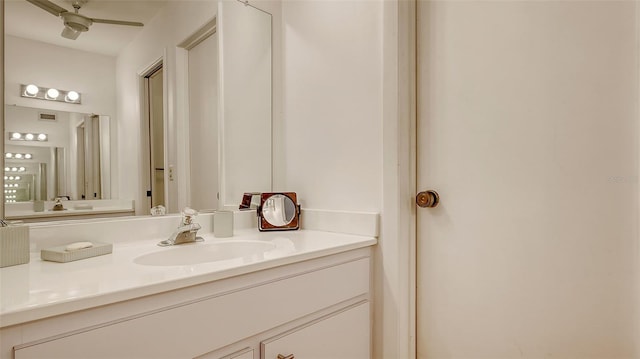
x,y
42,289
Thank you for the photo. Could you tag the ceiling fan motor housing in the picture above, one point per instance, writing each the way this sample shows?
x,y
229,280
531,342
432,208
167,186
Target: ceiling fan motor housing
x,y
76,22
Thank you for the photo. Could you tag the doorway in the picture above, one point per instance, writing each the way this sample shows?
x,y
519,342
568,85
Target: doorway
x,y
528,130
154,115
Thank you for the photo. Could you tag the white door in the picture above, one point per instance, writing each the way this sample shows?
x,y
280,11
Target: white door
x,y
528,130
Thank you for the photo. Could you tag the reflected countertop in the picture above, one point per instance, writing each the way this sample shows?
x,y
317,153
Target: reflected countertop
x,y
42,289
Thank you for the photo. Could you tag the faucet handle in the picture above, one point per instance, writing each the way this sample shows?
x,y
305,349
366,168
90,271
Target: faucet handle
x,y
188,214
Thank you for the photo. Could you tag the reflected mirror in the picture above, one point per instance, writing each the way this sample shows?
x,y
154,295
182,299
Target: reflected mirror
x,y
278,211
73,161
210,108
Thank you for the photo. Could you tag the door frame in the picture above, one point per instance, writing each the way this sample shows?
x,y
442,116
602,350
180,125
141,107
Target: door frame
x,y
395,264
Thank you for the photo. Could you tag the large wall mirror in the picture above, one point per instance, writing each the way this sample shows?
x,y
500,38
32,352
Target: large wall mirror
x,y
174,113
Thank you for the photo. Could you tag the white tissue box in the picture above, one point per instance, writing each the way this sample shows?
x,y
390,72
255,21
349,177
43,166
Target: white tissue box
x,y
14,245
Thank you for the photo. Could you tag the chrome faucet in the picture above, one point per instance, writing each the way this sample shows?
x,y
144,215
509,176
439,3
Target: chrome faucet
x,y
186,232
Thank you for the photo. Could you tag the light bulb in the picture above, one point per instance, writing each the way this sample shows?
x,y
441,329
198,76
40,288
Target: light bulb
x,y
8,155
72,96
22,169
28,156
19,156
53,93
6,178
32,90
28,136
7,169
18,178
42,137
11,178
14,169
16,136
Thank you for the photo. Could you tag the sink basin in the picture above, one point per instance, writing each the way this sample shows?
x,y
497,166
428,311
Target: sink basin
x,y
195,253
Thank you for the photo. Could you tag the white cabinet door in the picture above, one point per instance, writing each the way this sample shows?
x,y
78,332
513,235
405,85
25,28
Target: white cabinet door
x,y
343,335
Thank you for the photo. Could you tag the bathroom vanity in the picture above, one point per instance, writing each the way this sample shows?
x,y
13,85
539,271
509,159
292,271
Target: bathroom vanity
x,y
302,294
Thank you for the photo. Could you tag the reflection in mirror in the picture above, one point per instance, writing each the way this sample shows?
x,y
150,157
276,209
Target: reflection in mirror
x,y
73,162
278,211
104,65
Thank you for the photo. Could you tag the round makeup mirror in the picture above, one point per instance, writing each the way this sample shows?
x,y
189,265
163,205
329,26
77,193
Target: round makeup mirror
x,y
278,211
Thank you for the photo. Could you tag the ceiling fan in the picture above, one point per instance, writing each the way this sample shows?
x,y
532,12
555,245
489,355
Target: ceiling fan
x,y
74,23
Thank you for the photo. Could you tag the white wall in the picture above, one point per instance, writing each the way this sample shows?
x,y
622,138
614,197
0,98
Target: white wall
x,y
332,104
158,39
29,61
328,132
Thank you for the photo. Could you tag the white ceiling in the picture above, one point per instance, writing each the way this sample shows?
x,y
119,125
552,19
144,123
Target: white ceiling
x,y
23,19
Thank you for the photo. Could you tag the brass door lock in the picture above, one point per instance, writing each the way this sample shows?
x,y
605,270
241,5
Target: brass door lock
x,y
428,199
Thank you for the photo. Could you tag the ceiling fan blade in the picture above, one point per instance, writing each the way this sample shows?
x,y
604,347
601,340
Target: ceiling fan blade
x,y
117,22
70,33
48,6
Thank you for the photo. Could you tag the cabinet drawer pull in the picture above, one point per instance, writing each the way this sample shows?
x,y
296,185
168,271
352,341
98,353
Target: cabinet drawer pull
x,y
290,356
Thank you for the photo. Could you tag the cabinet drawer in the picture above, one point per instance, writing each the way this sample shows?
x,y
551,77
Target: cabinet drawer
x,y
342,335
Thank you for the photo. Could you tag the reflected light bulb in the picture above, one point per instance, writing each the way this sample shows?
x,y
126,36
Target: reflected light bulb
x,y
28,156
72,96
28,136
19,155
8,155
53,93
18,178
32,90
42,137
16,136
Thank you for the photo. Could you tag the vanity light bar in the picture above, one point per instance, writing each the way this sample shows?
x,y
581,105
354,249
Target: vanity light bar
x,y
50,94
18,156
12,178
28,136
15,169
10,185
10,191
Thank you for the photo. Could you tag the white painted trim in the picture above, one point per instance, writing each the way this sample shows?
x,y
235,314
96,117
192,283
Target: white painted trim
x,y
183,164
222,184
2,99
394,323
637,269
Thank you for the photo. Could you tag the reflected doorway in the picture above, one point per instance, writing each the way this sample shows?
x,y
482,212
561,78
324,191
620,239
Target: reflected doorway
x,y
154,95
